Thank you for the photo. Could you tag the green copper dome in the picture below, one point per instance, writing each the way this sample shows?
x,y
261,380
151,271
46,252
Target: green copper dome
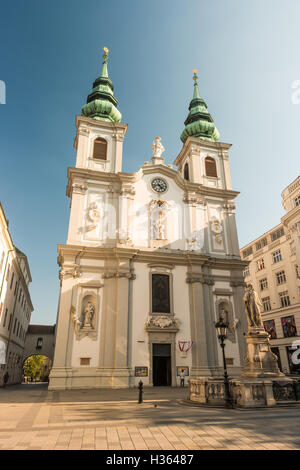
x,y
199,122
101,103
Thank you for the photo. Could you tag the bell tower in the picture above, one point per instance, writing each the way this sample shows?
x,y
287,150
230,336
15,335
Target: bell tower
x,y
203,159
100,133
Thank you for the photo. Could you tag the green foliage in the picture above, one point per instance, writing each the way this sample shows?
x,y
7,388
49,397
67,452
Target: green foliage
x,y
34,366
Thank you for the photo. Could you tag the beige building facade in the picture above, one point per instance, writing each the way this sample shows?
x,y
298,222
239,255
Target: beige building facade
x,y
15,305
274,260
151,259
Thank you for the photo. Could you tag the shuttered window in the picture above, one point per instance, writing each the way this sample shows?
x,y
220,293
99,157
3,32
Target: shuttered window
x,y
210,167
100,149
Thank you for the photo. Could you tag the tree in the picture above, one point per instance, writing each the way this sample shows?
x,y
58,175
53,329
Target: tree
x,y
34,366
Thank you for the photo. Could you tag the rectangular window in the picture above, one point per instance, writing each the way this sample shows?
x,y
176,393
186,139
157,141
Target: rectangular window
x,y
280,277
12,280
5,318
246,271
276,256
39,343
266,304
297,201
260,264
258,245
1,262
7,272
270,328
160,293
289,326
85,361
15,326
277,234
247,252
264,241
263,283
284,299
9,324
16,288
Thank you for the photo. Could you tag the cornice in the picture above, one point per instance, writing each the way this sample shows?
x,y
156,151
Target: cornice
x,y
84,174
204,144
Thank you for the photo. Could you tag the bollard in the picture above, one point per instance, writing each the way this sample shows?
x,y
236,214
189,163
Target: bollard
x,y
140,391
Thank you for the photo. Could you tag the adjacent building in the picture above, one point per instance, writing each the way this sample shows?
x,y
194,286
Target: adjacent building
x,y
15,305
274,261
151,257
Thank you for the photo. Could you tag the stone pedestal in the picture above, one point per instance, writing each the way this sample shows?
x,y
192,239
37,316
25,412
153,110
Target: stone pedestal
x,y
260,361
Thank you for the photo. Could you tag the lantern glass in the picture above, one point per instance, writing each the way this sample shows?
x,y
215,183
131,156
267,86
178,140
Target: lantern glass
x,y
221,327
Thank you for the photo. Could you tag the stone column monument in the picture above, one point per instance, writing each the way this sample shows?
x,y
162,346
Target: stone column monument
x,y
259,360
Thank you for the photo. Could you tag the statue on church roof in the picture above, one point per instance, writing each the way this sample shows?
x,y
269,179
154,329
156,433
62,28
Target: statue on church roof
x,y
157,147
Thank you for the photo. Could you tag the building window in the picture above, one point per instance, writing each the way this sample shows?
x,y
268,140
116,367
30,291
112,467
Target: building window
x,y
12,280
260,264
16,288
246,271
247,252
39,343
289,326
270,328
277,234
9,324
280,277
7,272
297,201
276,256
85,361
284,299
15,326
100,149
263,283
186,173
266,304
160,293
5,318
210,167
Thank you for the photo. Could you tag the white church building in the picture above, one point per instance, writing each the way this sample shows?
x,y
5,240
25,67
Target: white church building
x,y
151,257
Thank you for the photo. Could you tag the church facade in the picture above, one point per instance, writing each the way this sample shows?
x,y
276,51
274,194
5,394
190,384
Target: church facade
x,y
151,258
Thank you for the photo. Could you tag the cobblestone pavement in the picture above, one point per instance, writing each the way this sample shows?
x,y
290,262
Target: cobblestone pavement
x,y
31,417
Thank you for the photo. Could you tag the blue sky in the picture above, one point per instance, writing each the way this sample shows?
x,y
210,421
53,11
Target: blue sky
x,y
247,56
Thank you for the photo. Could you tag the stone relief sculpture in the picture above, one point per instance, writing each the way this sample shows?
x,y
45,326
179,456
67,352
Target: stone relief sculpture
x,y
157,147
196,241
158,218
162,321
95,213
225,314
217,229
84,324
252,307
88,315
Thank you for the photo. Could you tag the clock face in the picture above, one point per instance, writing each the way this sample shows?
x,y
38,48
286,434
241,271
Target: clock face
x,y
159,185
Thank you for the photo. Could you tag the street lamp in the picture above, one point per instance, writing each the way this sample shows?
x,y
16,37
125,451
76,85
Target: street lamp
x,y
221,327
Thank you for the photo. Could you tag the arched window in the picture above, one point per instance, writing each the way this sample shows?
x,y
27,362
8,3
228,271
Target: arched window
x,y
186,173
210,167
100,149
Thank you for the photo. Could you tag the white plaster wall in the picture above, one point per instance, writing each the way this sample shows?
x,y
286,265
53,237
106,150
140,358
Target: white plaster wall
x,y
141,306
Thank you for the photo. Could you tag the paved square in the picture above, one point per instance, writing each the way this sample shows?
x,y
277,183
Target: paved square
x,y
31,417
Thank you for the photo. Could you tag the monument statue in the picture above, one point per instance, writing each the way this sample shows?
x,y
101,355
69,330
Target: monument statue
x,y
88,315
252,307
157,147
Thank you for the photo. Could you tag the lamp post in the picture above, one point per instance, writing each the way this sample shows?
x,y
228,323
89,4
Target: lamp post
x,y
221,327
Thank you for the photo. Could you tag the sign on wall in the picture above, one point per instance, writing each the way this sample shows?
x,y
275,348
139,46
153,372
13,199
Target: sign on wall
x,y
141,372
185,369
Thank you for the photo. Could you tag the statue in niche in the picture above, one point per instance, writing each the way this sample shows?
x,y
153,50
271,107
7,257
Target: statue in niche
x,y
159,227
252,307
157,147
226,316
88,315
